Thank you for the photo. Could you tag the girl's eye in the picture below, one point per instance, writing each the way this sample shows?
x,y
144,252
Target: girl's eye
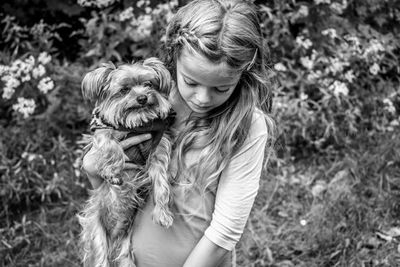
x,y
221,91
147,84
191,84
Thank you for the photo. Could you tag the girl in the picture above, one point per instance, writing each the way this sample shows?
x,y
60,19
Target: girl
x,y
214,49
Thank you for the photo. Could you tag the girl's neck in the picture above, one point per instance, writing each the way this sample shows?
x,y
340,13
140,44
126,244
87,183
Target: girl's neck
x,y
180,107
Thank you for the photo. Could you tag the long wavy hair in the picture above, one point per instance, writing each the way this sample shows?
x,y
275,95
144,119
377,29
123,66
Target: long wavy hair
x,y
222,31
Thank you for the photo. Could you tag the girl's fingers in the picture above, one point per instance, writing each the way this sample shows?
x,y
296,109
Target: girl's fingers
x,y
134,140
132,166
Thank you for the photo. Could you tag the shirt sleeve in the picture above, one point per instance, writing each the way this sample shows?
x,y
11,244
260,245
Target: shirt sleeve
x,y
237,189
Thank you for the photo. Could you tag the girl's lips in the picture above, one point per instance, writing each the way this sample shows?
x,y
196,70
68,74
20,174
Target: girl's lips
x,y
200,108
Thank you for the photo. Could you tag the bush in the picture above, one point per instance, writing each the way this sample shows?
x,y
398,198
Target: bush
x,y
337,66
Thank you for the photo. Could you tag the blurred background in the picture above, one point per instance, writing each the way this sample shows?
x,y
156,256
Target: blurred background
x,y
330,196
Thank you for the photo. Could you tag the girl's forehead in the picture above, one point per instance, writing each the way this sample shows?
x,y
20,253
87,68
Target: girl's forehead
x,y
200,68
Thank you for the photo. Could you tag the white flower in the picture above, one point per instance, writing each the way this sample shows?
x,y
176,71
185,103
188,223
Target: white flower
x,y
349,76
46,84
307,62
140,3
10,81
374,48
314,75
38,71
96,3
4,69
303,11
280,67
301,41
354,44
8,92
339,88
303,96
25,106
395,123
339,8
126,14
144,28
322,2
389,106
44,58
330,32
374,69
21,68
25,78
336,65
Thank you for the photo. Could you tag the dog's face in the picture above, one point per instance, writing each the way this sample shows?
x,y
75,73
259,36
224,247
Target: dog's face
x,y
131,94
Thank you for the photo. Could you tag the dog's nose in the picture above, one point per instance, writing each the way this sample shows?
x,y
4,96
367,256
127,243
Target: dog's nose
x,y
142,99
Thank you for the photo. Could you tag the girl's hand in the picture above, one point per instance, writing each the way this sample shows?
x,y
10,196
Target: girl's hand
x,y
89,160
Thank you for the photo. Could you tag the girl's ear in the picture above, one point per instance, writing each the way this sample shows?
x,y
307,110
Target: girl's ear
x,y
163,76
94,82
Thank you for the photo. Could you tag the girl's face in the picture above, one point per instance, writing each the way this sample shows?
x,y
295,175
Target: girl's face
x,y
202,84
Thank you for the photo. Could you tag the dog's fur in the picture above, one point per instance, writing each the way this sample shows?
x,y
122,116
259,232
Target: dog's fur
x,y
127,98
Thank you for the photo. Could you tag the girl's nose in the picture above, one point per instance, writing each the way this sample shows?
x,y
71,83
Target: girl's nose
x,y
203,95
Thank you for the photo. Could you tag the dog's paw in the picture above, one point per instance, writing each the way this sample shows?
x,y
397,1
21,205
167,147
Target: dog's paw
x,y
114,180
163,218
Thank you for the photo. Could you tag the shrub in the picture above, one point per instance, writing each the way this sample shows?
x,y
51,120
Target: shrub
x,y
337,66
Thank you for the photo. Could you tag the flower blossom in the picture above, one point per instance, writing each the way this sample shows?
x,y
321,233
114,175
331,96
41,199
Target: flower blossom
x,y
96,3
44,58
126,14
322,2
38,71
10,84
336,65
374,48
303,11
45,85
301,41
389,106
330,32
307,62
339,8
280,67
349,76
313,76
25,106
339,88
374,69
144,27
21,69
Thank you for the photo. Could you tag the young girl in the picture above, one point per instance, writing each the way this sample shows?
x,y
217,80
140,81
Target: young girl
x,y
215,52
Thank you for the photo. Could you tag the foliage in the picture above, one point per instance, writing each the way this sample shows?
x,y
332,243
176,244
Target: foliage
x,y
330,199
124,32
338,72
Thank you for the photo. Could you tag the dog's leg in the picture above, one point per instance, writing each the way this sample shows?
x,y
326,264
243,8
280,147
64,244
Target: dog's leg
x,y
125,257
159,176
94,237
96,252
110,157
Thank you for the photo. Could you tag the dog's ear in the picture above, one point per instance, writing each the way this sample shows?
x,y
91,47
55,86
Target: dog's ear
x,y
94,82
163,76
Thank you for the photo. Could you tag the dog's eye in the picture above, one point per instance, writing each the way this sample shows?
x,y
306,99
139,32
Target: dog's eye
x,y
147,84
124,90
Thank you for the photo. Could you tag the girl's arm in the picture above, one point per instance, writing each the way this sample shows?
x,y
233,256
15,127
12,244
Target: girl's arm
x,y
237,188
89,161
205,254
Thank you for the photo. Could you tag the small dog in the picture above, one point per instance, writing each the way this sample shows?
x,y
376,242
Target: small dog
x,y
129,100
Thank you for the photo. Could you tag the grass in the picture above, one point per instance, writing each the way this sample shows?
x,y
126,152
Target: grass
x,y
342,211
